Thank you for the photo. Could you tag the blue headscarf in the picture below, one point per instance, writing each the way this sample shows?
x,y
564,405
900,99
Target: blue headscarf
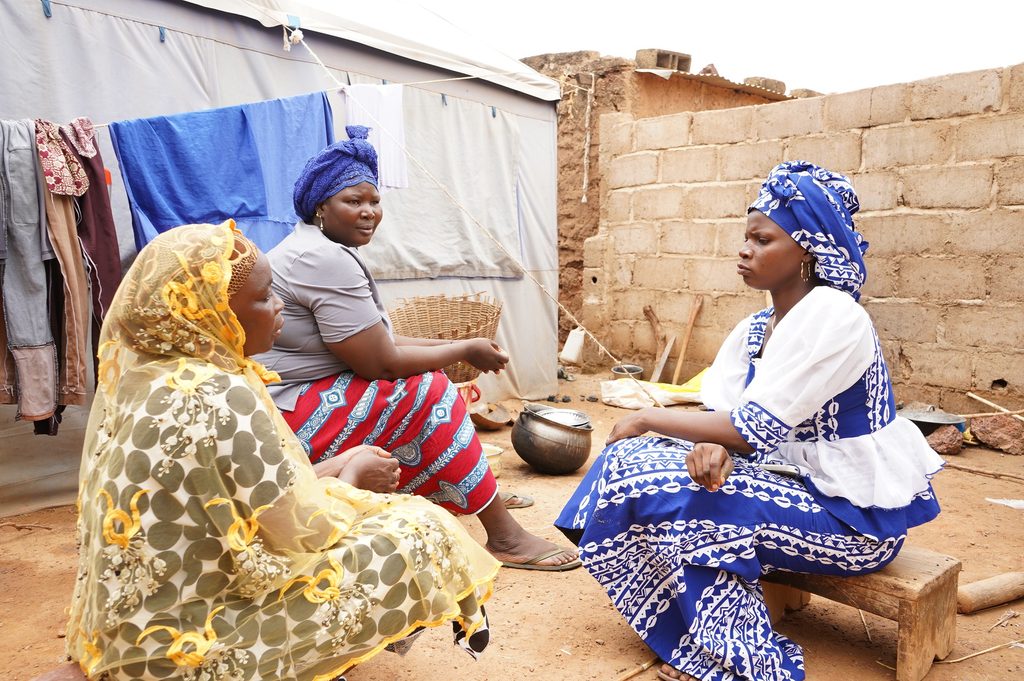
x,y
343,164
816,206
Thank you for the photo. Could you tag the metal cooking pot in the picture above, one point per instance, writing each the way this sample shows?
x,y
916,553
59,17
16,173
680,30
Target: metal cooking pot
x,y
544,438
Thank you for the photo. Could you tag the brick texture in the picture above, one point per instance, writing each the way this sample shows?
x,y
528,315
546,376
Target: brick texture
x,y
939,168
839,152
692,164
744,161
948,187
962,94
663,132
789,119
722,127
908,145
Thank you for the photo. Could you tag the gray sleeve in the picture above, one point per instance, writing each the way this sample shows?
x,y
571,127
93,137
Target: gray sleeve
x,y
331,284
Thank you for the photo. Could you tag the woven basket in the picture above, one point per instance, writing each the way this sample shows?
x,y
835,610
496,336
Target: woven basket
x,y
448,318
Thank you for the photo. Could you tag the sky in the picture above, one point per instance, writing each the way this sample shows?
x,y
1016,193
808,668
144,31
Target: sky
x,y
823,46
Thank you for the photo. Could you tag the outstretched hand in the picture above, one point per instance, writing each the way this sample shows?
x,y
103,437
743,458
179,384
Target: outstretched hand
x,y
709,465
370,468
486,355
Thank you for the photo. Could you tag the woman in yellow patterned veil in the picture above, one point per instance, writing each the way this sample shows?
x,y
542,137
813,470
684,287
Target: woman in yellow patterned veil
x,y
210,549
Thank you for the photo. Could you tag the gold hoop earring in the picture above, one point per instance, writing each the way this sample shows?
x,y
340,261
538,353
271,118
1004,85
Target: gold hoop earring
x,y
806,271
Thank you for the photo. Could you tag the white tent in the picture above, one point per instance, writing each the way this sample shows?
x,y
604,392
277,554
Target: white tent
x,y
490,139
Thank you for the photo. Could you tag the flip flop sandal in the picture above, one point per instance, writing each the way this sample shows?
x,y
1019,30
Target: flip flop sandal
x,y
532,564
513,500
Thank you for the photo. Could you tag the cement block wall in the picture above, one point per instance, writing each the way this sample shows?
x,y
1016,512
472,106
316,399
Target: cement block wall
x,y
939,168
616,87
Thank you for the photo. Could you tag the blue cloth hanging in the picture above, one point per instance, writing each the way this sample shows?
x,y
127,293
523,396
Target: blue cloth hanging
x,y
235,162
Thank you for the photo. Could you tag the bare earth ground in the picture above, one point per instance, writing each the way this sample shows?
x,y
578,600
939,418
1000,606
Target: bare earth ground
x,y
561,625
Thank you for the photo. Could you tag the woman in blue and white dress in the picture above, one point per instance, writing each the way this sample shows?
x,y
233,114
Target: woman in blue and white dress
x,y
678,527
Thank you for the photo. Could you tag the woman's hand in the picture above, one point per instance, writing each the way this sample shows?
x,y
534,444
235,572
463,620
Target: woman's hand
x,y
370,468
629,426
709,465
485,355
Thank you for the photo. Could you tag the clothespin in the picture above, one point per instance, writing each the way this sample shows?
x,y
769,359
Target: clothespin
x,y
47,10
444,99
163,34
494,112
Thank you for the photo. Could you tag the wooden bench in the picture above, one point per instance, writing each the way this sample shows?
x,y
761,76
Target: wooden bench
x,y
917,590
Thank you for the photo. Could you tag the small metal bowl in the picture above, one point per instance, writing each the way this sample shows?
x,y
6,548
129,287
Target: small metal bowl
x,y
549,446
626,370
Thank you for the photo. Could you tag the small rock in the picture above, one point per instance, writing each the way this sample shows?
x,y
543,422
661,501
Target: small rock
x,y
566,398
1001,432
946,440
599,641
552,398
591,398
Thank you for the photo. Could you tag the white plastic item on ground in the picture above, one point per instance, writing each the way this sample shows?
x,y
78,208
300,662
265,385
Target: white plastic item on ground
x,y
1012,503
572,350
626,393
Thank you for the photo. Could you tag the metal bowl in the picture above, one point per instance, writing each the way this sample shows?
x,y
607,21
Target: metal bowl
x,y
928,420
549,446
626,370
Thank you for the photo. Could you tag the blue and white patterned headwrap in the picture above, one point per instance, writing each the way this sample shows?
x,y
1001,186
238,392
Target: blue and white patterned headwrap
x,y
343,164
815,206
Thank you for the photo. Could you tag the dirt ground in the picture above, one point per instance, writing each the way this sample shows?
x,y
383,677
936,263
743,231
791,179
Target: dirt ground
x,y
561,625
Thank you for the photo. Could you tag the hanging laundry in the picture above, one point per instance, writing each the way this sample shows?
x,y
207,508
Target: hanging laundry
x,y
96,228
379,107
65,179
236,162
28,370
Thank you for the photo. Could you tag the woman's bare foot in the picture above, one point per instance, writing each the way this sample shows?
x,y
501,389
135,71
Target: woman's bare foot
x,y
510,543
372,469
667,671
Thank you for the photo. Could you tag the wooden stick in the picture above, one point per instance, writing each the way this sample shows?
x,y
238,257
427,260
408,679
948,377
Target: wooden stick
x,y
989,592
995,406
26,526
642,668
980,652
663,359
978,471
1007,616
865,623
992,413
697,302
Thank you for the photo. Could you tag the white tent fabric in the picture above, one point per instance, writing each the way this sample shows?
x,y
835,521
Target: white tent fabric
x,y
105,59
401,28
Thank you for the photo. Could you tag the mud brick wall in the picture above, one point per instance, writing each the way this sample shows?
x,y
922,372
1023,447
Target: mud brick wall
x,y
939,168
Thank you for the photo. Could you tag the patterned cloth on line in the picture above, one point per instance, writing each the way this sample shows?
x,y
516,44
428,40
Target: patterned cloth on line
x,y
421,420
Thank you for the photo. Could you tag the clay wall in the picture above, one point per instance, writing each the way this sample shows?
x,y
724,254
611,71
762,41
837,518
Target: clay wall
x,y
939,168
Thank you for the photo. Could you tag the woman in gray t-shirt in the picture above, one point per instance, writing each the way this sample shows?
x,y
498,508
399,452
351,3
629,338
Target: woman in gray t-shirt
x,y
347,379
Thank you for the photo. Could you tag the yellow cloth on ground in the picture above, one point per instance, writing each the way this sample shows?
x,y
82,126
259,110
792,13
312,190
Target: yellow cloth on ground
x,y
209,548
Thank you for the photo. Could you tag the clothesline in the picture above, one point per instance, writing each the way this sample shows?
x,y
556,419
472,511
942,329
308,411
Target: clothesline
x,y
342,86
